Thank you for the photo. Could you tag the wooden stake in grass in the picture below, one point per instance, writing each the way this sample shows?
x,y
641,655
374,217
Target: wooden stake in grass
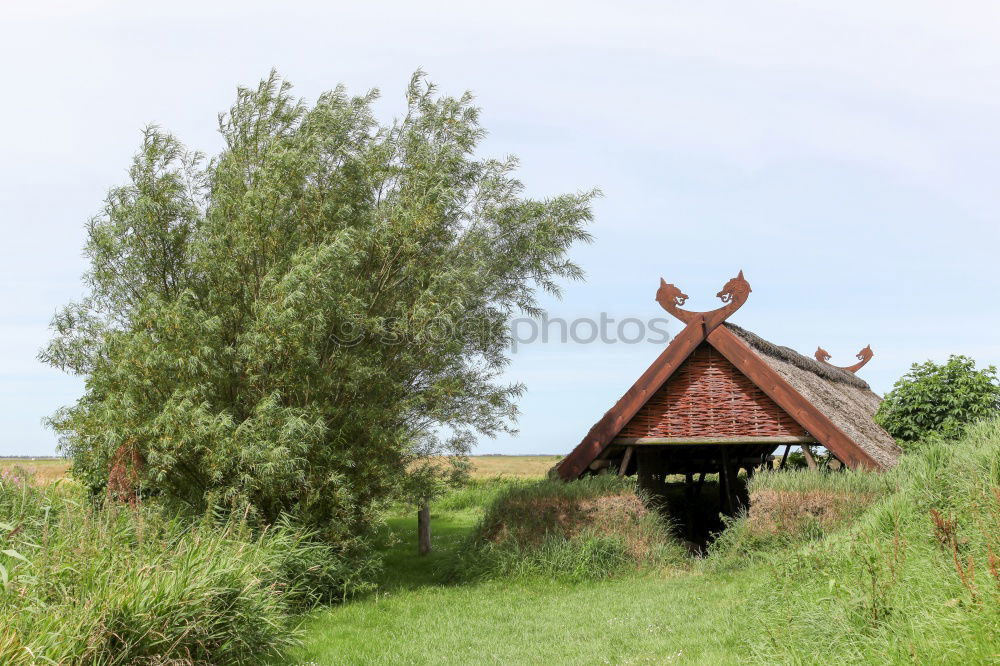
x,y
424,528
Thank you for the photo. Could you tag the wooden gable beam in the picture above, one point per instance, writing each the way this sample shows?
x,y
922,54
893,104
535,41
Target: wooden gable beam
x,y
779,390
605,430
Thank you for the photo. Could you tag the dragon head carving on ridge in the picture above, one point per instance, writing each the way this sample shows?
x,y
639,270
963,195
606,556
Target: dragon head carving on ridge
x,y
670,294
737,289
733,295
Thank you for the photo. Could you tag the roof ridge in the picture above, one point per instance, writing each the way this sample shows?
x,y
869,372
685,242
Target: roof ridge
x,y
789,355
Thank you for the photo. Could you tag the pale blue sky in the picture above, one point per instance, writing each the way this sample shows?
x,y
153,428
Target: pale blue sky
x,y
842,154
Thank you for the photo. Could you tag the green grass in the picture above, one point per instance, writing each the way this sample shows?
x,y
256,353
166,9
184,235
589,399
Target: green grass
x,y
419,618
403,569
884,588
804,480
894,588
886,585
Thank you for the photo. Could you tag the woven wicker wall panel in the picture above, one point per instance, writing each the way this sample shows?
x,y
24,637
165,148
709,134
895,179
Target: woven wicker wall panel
x,y
708,397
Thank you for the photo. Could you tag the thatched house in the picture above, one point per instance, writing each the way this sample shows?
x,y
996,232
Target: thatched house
x,y
720,398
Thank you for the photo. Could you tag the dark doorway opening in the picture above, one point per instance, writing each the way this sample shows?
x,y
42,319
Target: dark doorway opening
x,y
695,517
695,486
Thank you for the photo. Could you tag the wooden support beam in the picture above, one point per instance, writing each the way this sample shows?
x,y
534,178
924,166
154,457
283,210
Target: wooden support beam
x,y
726,484
714,441
626,459
810,461
689,502
784,456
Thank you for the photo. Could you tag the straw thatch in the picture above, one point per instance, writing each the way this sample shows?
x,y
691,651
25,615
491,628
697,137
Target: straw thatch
x,y
844,398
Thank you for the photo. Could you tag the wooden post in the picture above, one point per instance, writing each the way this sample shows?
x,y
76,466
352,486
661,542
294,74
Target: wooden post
x,y
810,461
699,484
726,484
689,499
784,456
424,528
626,459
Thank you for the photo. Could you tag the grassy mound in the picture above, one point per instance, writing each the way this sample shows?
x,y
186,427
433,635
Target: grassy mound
x,y
789,506
124,585
914,578
592,528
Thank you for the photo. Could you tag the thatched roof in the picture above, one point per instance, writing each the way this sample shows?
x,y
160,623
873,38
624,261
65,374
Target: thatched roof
x,y
844,398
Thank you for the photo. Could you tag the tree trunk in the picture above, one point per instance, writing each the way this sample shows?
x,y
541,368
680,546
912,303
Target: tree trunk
x,y
424,529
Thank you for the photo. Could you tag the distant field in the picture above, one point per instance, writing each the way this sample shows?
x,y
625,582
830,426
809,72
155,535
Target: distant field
x,y
41,470
515,467
47,470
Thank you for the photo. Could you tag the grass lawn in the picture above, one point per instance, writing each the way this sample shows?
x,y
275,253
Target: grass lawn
x,y
418,618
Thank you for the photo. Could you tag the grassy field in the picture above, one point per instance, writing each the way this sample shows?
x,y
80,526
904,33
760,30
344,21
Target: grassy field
x,y
512,467
40,470
46,470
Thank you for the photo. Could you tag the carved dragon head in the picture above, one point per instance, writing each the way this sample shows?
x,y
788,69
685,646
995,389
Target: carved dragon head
x,y
668,293
863,357
737,289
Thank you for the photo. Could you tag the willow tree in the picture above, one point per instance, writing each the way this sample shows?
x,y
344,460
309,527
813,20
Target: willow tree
x,y
294,323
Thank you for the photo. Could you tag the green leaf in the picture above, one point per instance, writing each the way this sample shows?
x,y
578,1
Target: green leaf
x,y
16,555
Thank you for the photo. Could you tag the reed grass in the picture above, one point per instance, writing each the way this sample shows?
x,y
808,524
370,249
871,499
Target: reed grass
x,y
124,585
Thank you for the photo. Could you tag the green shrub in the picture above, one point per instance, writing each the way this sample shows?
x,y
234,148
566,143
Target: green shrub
x,y
589,529
939,400
123,585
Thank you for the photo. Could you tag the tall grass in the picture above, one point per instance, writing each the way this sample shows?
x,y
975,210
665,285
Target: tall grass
x,y
477,493
804,480
789,507
124,585
915,578
590,529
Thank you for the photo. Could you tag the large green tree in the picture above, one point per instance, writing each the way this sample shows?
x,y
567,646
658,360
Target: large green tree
x,y
291,324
